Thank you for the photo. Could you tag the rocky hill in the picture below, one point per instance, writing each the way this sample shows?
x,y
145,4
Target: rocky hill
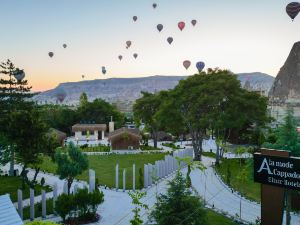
x,y
285,92
124,91
286,87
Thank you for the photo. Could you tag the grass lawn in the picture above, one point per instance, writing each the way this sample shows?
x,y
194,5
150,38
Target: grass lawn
x,y
209,154
11,185
249,188
218,219
38,209
104,165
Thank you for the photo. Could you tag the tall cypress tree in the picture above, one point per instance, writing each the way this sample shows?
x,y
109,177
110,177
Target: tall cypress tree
x,y
14,96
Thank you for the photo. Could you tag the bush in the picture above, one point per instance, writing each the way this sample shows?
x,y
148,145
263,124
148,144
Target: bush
x,y
64,205
41,223
171,145
148,148
178,205
83,205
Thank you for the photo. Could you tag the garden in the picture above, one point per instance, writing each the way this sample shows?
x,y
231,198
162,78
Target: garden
x,y
104,166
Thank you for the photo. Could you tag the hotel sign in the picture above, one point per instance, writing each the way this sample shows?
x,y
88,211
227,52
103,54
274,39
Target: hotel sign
x,y
277,171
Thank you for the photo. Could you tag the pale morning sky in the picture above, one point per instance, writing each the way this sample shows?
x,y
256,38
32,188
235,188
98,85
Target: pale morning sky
x,y
240,35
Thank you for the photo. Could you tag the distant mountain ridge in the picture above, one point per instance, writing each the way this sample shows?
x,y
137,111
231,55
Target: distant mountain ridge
x,y
124,91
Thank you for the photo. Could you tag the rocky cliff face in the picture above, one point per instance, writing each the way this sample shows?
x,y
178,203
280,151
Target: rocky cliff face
x,y
286,87
124,91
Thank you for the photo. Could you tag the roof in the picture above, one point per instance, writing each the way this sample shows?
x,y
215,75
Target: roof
x,y
8,212
117,133
60,134
89,127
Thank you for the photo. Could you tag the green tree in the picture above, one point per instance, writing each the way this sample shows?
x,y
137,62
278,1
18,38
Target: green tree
x,y
286,136
83,101
179,205
144,110
212,100
71,164
100,111
136,201
14,94
59,117
30,138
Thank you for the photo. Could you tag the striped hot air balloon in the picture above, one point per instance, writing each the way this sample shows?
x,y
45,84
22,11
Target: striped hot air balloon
x,y
292,9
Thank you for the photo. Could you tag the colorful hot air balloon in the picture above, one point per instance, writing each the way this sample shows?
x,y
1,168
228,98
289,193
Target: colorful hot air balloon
x,y
194,22
128,44
51,54
186,64
154,5
159,27
64,45
120,57
200,66
134,18
292,9
170,40
181,25
135,55
19,75
61,94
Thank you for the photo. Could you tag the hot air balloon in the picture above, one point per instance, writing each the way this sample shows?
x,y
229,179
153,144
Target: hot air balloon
x,y
170,40
194,22
64,45
135,55
19,75
200,66
160,27
120,57
186,64
82,76
128,44
104,71
134,18
51,54
154,5
181,25
292,9
61,94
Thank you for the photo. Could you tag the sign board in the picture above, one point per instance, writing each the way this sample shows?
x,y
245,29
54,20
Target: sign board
x,y
277,171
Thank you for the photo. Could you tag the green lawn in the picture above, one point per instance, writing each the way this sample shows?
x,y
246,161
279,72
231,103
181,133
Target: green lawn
x,y
38,209
249,188
11,185
104,166
209,154
218,219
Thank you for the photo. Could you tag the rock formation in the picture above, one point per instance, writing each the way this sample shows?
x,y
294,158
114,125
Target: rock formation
x,y
285,91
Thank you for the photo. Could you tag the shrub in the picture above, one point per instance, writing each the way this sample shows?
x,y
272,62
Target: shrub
x,y
178,205
41,223
64,205
83,205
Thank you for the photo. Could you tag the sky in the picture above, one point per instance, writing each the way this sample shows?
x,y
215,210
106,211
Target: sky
x,y
240,35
